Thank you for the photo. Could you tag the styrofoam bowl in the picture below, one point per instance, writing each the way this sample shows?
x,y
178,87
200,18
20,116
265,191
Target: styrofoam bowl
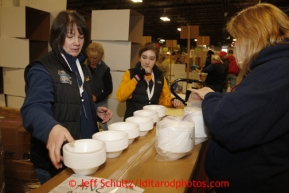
x,y
145,123
159,108
114,140
79,155
147,113
175,156
132,129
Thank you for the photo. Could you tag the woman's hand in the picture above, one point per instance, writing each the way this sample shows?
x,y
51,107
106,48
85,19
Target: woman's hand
x,y
202,91
177,103
104,113
57,136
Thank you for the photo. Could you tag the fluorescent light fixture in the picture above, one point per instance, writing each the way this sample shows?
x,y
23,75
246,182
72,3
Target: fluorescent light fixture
x,y
179,29
165,18
234,39
137,1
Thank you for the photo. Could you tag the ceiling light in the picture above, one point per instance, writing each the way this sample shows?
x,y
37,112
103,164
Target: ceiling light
x,y
165,18
137,1
179,29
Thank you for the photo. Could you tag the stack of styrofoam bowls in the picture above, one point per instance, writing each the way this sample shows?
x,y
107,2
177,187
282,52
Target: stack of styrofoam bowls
x,y
175,139
145,123
84,156
147,113
159,108
132,129
115,142
195,114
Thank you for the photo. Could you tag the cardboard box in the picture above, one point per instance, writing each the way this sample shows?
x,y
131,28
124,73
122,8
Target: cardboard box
x,y
14,101
25,22
20,176
203,40
25,50
1,80
14,83
146,39
194,32
120,25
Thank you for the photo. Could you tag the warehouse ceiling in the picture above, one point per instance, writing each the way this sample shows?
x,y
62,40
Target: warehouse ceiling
x,y
210,15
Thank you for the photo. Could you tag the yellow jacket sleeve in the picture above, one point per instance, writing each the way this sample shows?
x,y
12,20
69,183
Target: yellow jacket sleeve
x,y
166,96
126,87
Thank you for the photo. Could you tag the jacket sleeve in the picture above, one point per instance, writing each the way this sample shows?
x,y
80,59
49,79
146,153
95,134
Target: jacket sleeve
x,y
249,116
126,87
166,96
37,108
107,90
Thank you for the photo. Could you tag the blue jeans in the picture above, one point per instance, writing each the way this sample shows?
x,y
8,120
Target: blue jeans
x,y
44,175
232,78
103,103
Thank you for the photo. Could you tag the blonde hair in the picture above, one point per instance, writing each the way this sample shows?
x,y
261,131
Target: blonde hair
x,y
255,28
95,49
216,57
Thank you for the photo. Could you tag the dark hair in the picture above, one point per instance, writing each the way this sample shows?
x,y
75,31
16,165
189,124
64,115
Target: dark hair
x,y
230,52
149,46
63,23
210,52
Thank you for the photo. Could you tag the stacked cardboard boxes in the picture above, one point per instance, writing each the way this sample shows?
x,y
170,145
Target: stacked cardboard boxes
x,y
18,173
120,34
24,34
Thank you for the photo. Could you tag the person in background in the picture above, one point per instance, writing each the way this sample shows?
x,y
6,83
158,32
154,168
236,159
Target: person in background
x,y
178,61
58,107
226,63
101,77
145,84
250,125
233,70
208,58
164,66
215,70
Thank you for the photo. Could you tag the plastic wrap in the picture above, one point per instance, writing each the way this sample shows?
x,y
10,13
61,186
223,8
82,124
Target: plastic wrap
x,y
193,113
174,138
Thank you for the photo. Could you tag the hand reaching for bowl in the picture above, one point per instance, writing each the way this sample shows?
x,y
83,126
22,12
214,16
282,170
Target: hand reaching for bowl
x,y
202,91
57,136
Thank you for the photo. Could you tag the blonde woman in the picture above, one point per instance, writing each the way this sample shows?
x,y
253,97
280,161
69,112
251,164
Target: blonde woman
x,y
250,126
102,81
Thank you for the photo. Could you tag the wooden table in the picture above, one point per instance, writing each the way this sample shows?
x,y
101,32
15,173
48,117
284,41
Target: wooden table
x,y
138,164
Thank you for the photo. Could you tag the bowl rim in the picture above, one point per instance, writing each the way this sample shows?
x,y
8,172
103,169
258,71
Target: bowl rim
x,y
65,146
140,117
106,132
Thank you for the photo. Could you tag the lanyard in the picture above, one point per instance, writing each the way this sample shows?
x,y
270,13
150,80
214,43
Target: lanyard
x,y
150,93
80,72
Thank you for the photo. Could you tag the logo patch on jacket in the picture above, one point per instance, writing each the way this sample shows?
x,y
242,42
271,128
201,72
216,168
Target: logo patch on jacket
x,y
64,77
